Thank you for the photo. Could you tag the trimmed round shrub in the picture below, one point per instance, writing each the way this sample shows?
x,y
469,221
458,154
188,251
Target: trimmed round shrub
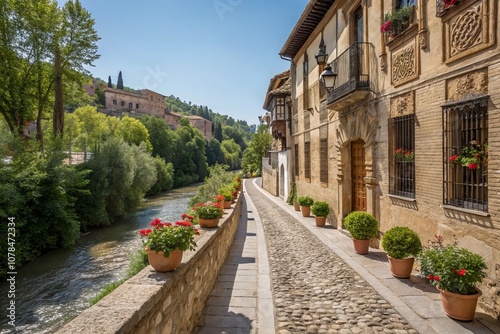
x,y
305,201
361,225
401,242
320,209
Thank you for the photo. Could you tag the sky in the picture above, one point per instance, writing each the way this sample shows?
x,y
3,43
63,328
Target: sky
x,y
218,53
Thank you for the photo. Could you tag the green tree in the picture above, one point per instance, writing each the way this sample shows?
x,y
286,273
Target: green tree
x,y
92,128
164,176
215,153
161,137
261,142
133,132
119,83
74,47
232,153
235,133
110,84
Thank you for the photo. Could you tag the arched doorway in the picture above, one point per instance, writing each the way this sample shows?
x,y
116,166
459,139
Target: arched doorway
x,y
282,181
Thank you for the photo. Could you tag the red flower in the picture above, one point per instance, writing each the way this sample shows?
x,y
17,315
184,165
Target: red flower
x,y
386,26
430,277
183,223
472,166
145,232
453,158
437,278
461,272
219,198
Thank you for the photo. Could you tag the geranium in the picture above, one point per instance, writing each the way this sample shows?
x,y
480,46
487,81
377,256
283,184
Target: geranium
x,y
472,156
448,3
402,154
166,237
219,198
208,210
386,26
451,268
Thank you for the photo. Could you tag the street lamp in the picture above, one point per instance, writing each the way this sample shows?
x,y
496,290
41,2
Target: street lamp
x,y
328,77
321,56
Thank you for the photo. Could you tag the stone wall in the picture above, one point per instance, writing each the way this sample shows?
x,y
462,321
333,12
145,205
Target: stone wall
x,y
171,302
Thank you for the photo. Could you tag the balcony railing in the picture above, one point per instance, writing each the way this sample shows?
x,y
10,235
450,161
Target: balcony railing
x,y
352,71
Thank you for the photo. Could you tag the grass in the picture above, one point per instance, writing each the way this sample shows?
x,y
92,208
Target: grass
x,y
138,261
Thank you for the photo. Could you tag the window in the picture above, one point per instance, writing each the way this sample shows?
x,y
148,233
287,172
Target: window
x,y
279,109
404,3
401,157
323,160
466,154
122,103
130,105
137,106
307,160
305,82
115,102
296,160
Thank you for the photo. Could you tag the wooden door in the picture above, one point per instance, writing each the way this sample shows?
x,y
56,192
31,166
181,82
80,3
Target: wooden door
x,y
358,175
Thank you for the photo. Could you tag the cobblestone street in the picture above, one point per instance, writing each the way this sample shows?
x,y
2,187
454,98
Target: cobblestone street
x,y
314,291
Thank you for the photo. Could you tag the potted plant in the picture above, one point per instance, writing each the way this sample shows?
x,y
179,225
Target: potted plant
x,y
208,213
473,156
227,195
292,198
305,203
320,210
455,272
397,21
165,243
402,244
362,226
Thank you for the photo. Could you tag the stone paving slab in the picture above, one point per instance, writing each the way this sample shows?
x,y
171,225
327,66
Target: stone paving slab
x,y
371,268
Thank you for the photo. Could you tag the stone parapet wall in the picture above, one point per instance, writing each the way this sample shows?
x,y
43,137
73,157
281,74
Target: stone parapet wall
x,y
172,302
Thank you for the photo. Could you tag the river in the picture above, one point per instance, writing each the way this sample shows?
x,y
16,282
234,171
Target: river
x,y
56,287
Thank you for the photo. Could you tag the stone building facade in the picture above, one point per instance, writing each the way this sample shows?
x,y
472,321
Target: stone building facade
x,y
120,102
143,101
408,133
276,172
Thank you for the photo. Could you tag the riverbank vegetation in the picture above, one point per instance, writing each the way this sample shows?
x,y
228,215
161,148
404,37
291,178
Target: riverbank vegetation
x,y
46,115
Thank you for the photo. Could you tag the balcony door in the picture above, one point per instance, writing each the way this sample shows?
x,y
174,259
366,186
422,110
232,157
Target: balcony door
x,y
357,52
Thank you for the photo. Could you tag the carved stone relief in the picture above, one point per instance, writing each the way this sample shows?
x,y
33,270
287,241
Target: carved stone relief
x,y
469,30
468,85
404,65
403,105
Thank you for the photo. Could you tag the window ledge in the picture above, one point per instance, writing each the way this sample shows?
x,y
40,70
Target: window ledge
x,y
473,212
324,184
406,199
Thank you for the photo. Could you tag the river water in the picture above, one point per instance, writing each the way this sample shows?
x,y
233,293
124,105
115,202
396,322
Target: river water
x,y
58,286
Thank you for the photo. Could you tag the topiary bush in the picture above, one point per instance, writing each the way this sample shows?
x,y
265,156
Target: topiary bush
x,y
401,242
305,201
320,209
361,225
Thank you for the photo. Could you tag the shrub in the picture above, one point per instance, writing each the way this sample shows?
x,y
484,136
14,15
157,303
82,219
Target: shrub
x,y
361,225
305,201
208,210
320,209
401,242
453,269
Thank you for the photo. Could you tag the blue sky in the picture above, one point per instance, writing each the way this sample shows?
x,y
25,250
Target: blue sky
x,y
219,53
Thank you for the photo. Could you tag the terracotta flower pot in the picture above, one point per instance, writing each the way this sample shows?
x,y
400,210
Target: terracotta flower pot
x,y
296,206
459,307
163,264
401,268
320,221
227,205
306,211
208,222
361,246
